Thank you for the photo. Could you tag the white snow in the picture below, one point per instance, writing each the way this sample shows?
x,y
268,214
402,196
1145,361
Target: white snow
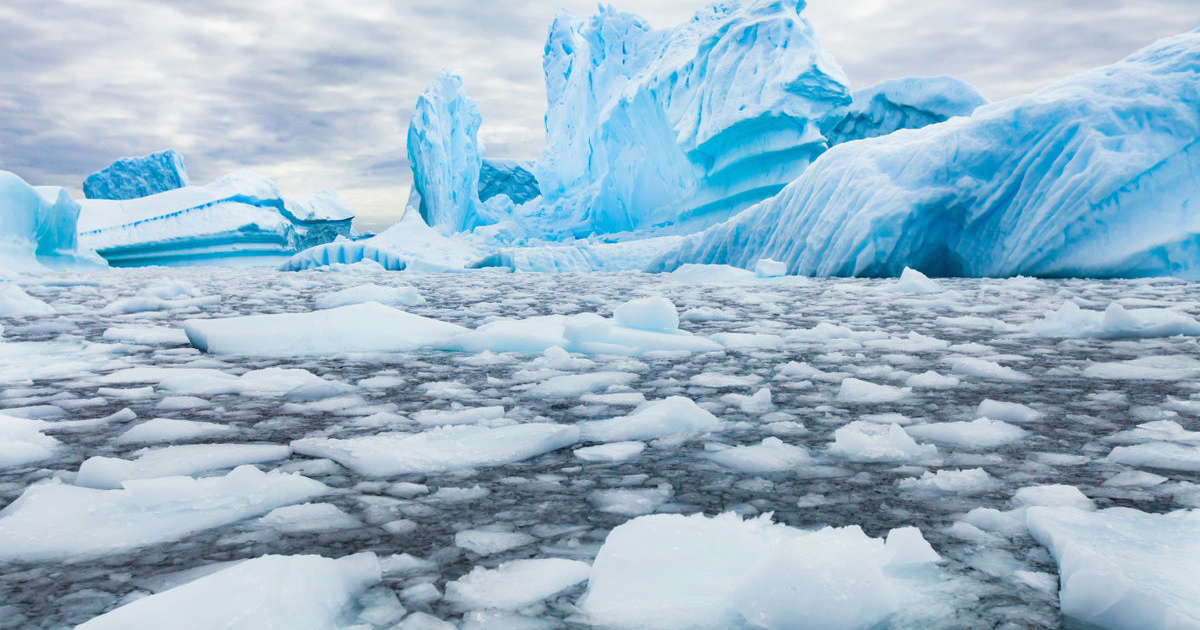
x,y
862,441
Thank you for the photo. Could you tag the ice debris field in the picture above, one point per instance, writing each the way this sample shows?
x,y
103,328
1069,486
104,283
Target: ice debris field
x,y
707,449
801,357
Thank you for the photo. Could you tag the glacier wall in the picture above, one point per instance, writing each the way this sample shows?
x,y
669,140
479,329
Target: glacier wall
x,y
133,177
37,225
1092,176
681,126
241,217
909,103
445,156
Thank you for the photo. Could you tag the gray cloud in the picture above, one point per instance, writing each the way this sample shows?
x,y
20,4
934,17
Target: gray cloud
x,y
318,94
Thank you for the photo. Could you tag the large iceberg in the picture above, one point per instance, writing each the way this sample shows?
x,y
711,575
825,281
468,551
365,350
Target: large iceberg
x,y
37,225
445,156
909,103
241,216
134,177
1092,176
678,126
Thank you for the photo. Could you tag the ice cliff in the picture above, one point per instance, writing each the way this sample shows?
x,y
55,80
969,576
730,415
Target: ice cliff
x,y
133,177
1092,176
679,126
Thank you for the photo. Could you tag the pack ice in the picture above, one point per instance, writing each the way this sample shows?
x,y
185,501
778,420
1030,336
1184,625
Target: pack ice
x,y
1092,176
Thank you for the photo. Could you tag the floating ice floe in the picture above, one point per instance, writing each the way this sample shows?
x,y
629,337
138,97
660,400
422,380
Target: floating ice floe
x,y
293,592
611,452
982,433
369,327
671,571
854,390
1148,368
307,518
972,481
771,455
441,449
486,543
1115,322
862,441
23,444
111,472
1123,569
1163,455
391,296
160,430
515,585
676,416
644,327
55,521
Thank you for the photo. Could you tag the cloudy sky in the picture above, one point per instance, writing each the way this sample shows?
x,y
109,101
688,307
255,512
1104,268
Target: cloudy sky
x,y
317,93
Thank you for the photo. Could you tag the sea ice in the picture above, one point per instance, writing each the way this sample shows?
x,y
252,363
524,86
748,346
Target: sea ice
x,y
111,472
55,521
268,592
441,449
676,416
515,585
1123,569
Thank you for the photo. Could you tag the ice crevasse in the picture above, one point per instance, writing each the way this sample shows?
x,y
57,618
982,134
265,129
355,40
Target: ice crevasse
x,y
1091,176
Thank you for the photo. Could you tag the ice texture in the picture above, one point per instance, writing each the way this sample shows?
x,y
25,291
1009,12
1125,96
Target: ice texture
x,y
1091,176
445,156
240,217
679,125
134,177
515,585
294,592
35,224
909,103
508,177
1124,569
671,571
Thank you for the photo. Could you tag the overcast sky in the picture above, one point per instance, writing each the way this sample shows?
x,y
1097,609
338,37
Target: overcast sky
x,y
317,93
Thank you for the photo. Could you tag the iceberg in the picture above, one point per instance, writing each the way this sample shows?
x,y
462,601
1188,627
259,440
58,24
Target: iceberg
x,y
1092,176
410,244
37,225
240,217
445,157
681,126
909,103
582,256
134,177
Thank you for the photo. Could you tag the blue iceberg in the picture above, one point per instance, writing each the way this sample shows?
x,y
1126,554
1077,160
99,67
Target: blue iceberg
x,y
445,155
678,127
134,177
37,226
909,103
241,217
1092,176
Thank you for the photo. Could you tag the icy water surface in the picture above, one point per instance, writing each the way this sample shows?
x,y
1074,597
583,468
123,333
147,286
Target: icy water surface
x,y
53,368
